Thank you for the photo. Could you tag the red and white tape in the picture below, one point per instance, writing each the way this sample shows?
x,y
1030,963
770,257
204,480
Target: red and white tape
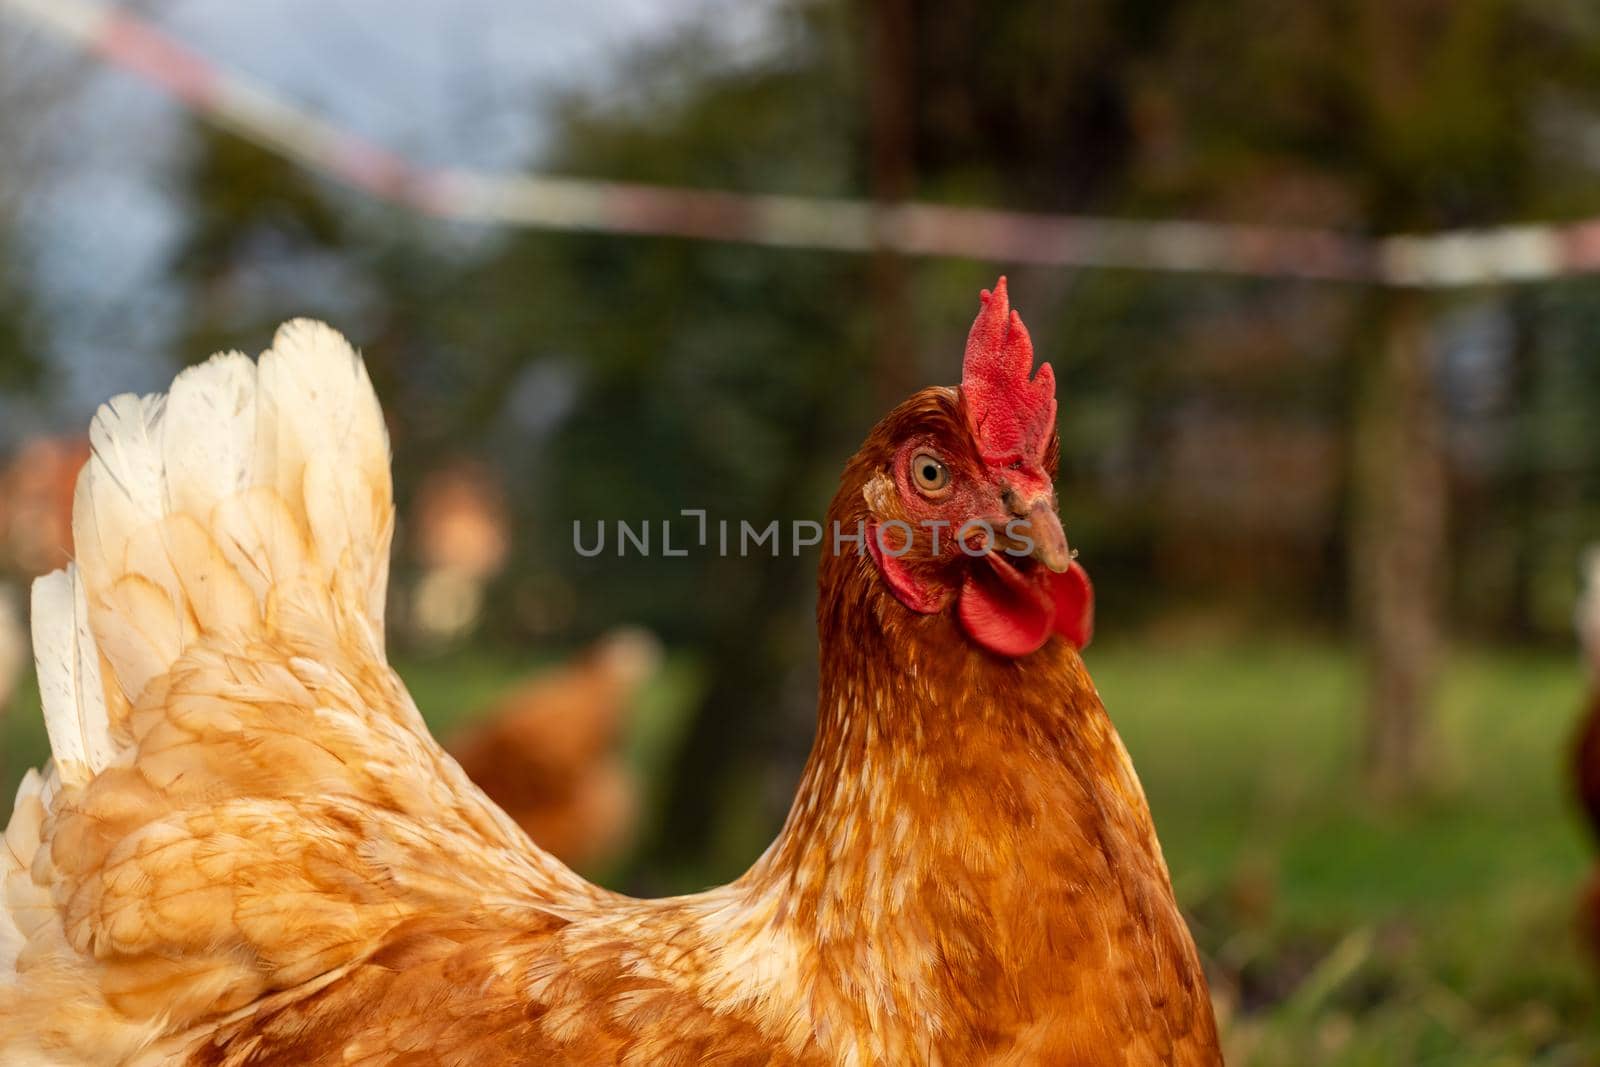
x,y
253,111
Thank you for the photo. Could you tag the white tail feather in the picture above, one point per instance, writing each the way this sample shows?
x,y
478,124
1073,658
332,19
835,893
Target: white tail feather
x,y
245,478
121,490
70,688
319,427
252,502
248,484
208,434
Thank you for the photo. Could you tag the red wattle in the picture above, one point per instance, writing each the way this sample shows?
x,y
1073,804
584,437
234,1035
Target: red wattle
x,y
1074,597
1004,611
1013,614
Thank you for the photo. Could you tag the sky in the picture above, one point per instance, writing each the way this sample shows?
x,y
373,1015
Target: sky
x,y
455,83
447,82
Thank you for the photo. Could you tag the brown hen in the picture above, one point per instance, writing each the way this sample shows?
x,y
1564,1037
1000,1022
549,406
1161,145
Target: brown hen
x,y
249,850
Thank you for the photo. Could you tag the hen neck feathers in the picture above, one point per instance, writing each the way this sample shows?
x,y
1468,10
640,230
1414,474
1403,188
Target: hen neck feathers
x,y
946,788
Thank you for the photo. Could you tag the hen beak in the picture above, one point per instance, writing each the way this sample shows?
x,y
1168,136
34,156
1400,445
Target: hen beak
x,y
1049,540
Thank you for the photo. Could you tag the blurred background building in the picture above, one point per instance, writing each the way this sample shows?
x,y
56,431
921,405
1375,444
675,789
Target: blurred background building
x,y
1334,522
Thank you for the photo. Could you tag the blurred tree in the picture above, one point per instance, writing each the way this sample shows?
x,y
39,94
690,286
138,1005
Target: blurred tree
x,y
257,231
890,28
1398,538
21,369
1396,116
1455,97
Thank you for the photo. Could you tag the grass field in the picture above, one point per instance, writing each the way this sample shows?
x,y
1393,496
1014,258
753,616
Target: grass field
x,y
1337,932
1342,933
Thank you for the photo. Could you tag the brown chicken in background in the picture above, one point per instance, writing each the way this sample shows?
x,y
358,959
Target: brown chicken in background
x,y
549,751
461,538
35,536
249,852
1586,752
13,646
36,503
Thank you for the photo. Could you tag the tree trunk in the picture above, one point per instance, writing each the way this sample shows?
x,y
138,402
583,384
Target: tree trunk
x,y
1398,541
891,173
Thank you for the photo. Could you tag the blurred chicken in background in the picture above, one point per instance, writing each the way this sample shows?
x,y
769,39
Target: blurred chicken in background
x,y
549,752
461,537
1587,750
36,503
13,645
36,486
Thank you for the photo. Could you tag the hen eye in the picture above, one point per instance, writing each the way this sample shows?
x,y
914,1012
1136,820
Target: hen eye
x,y
929,472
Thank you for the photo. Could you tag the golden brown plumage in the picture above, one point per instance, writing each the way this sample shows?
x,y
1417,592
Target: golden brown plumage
x,y
251,852
547,752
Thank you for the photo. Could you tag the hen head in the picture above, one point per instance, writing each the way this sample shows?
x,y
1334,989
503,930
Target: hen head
x,y
960,504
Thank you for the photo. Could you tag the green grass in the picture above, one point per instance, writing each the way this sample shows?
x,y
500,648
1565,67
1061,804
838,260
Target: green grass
x,y
1343,932
1337,931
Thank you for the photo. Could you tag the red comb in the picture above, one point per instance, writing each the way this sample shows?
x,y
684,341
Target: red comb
x,y
1012,415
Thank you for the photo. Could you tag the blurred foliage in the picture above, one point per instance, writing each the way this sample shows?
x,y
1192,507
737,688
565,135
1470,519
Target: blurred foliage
x,y
1385,116
21,370
1204,420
